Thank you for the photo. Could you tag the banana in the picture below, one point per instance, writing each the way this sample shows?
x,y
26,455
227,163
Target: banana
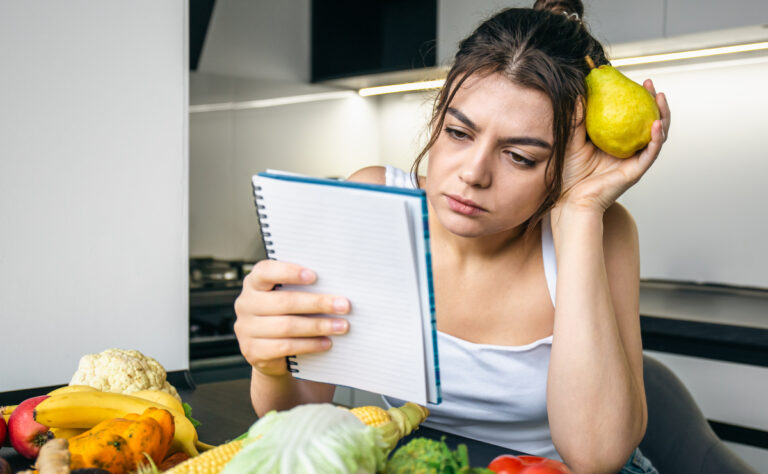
x,y
6,411
73,388
66,433
87,409
159,397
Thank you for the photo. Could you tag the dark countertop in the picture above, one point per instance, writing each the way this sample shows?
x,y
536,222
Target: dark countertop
x,y
707,321
225,412
714,304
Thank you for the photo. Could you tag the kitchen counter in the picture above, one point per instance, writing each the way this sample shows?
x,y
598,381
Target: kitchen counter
x,y
720,323
225,412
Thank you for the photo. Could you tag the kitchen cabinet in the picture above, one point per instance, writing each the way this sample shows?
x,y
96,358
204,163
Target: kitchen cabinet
x,y
623,21
352,38
610,21
695,16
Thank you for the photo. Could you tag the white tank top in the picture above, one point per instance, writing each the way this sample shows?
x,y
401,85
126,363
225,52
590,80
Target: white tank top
x,y
495,394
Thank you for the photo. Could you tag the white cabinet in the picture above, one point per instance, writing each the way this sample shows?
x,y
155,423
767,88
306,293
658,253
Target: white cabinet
x,y
610,21
622,21
695,16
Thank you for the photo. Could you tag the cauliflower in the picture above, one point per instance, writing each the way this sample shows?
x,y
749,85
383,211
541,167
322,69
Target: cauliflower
x,y
122,371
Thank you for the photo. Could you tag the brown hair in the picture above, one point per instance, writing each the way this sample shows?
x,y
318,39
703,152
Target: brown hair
x,y
542,48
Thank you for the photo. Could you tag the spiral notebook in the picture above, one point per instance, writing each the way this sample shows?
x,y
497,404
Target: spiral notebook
x,y
369,243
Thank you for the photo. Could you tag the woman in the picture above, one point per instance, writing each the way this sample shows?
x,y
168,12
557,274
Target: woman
x,y
536,268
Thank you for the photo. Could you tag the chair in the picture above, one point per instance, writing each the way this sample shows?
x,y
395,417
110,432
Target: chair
x,y
678,438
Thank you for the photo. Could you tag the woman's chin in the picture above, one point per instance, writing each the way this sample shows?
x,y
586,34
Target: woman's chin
x,y
463,227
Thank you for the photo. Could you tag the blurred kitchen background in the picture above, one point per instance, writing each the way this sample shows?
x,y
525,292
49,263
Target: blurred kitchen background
x,y
129,132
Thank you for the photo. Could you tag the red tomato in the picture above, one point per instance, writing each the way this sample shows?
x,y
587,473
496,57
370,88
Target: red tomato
x,y
508,464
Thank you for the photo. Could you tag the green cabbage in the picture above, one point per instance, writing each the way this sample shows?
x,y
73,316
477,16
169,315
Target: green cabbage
x,y
313,438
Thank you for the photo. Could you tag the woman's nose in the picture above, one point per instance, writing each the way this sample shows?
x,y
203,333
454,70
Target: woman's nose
x,y
476,171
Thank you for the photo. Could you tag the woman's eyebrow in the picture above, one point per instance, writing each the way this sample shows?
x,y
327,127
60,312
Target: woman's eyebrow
x,y
463,118
525,141
504,141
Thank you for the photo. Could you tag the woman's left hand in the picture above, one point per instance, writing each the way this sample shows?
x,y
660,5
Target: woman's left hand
x,y
593,179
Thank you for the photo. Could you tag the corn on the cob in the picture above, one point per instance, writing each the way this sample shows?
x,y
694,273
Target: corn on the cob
x,y
210,462
372,415
395,423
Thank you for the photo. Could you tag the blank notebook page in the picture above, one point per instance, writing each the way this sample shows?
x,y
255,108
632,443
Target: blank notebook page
x,y
366,256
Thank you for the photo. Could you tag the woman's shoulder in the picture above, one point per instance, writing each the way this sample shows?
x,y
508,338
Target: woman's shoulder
x,y
370,174
620,231
386,175
618,218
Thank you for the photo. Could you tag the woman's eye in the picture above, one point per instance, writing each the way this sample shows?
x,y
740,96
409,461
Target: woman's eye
x,y
520,160
456,134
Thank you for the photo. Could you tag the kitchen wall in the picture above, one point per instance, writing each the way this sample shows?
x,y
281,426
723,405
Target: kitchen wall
x,y
240,62
329,138
93,185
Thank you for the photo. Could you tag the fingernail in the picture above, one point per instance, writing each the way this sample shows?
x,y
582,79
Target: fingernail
x,y
307,275
325,343
339,325
340,305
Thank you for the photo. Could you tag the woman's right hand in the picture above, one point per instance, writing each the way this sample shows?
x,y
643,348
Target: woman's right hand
x,y
272,324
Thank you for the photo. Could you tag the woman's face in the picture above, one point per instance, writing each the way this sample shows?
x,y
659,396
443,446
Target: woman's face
x,y
486,171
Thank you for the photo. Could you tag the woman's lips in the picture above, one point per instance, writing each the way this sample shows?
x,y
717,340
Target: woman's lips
x,y
463,206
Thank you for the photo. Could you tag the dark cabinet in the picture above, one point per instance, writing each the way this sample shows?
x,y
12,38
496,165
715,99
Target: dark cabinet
x,y
354,37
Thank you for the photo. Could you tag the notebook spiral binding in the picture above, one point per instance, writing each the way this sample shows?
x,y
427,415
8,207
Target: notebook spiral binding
x,y
263,222
291,364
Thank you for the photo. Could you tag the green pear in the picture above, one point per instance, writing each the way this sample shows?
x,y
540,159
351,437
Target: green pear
x,y
620,112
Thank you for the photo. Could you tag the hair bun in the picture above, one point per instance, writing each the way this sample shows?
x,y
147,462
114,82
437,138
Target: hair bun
x,y
573,9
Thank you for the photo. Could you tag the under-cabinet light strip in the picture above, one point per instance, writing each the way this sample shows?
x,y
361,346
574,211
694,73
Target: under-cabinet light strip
x,y
653,58
696,53
258,104
408,87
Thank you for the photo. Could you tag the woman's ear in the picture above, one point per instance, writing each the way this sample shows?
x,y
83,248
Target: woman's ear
x,y
579,112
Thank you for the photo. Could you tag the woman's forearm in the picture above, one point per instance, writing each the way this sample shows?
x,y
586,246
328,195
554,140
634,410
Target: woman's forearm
x,y
596,408
269,392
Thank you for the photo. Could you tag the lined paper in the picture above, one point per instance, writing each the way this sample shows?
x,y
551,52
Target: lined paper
x,y
364,245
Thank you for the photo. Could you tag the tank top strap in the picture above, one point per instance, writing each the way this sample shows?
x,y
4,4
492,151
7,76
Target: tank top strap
x,y
399,178
548,255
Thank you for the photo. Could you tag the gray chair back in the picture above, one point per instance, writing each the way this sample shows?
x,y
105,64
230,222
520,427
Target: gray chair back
x,y
678,438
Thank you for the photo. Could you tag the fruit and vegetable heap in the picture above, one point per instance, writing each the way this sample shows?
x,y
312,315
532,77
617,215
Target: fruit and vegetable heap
x,y
120,415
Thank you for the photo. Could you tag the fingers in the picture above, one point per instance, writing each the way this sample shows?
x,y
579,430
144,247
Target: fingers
x,y
666,115
277,327
263,350
269,324
649,154
268,355
648,84
272,303
268,273
661,102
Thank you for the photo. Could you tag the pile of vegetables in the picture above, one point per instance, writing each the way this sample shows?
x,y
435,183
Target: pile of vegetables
x,y
313,438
